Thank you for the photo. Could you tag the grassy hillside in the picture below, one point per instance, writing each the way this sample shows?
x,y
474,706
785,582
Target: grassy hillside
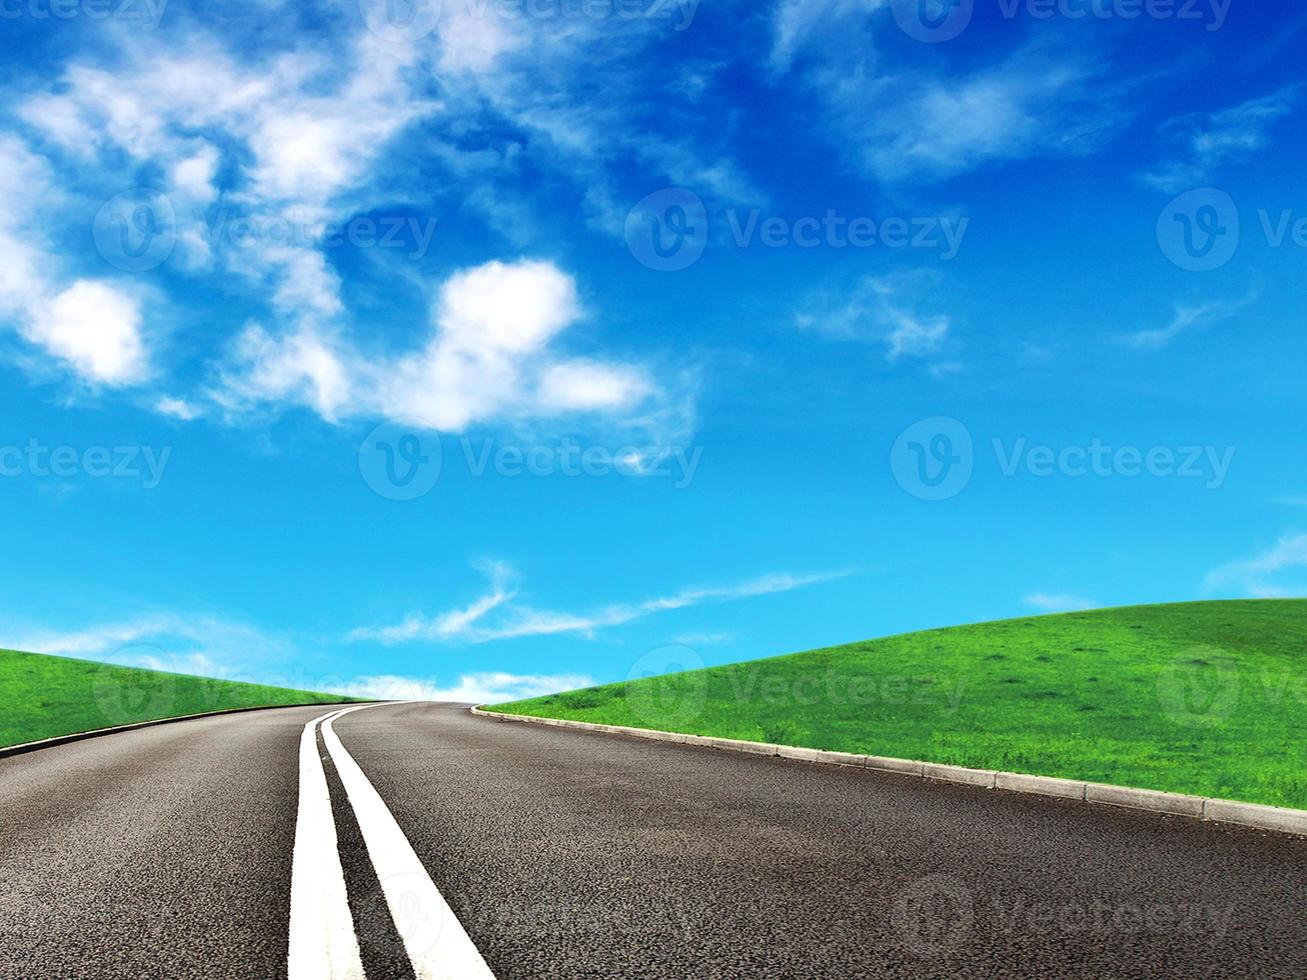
x,y
1204,698
46,696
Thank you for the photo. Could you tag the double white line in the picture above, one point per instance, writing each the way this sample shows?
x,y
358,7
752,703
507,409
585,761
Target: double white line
x,y
323,944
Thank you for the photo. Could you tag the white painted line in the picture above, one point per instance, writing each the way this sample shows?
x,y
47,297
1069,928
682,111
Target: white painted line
x,y
322,941
437,945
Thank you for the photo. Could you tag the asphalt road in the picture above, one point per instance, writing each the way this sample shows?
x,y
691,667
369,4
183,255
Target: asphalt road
x,y
168,852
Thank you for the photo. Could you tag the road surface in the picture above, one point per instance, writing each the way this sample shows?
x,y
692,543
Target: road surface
x,y
538,852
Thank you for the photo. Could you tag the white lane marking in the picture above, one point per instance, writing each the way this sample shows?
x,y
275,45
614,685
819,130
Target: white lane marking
x,y
322,941
435,940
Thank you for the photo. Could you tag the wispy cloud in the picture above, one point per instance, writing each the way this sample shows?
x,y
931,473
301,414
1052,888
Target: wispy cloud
x,y
898,309
1210,139
490,687
1290,500
1058,602
469,623
1187,317
704,639
917,121
185,644
1261,575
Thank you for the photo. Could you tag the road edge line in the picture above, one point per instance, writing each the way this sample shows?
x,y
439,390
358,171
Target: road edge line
x,y
48,743
1256,816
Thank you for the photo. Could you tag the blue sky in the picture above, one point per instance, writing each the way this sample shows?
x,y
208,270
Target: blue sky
x,y
489,348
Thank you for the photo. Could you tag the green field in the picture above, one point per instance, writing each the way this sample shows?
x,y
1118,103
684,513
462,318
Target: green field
x,y
47,696
1204,698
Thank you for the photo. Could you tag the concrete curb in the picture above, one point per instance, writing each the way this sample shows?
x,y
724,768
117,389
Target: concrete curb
x,y
1254,815
46,743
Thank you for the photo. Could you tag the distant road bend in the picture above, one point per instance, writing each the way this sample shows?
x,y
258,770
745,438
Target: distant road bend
x,y
419,841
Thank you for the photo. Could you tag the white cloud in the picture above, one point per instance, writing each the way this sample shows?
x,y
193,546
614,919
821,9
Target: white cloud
x,y
178,408
1189,317
300,368
1208,140
893,309
92,327
1048,602
193,176
491,687
517,620
1261,576
96,329
299,138
472,40
489,357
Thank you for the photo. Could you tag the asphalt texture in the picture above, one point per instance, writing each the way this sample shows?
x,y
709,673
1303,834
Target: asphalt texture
x,y
166,852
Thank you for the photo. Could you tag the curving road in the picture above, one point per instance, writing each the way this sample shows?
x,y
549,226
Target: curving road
x,y
464,845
